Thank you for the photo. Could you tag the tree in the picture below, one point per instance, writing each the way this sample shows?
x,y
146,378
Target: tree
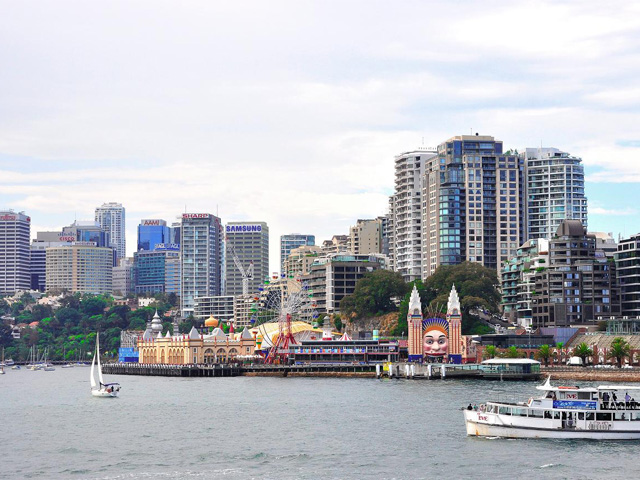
x,y
490,351
583,351
373,294
544,354
620,349
512,352
93,306
137,323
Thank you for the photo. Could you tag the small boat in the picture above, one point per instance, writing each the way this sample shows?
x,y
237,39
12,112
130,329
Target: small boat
x,y
67,365
15,367
104,390
606,412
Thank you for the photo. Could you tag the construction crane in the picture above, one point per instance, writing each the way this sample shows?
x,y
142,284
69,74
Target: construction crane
x,y
247,274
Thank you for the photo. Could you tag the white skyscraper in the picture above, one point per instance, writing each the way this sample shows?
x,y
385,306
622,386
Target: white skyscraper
x,y
15,232
111,218
555,189
250,241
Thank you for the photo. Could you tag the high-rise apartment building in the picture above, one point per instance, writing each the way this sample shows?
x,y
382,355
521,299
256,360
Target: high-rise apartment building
x,y
250,241
80,268
337,244
579,285
405,210
152,232
628,270
473,204
201,259
300,260
555,189
15,232
111,217
366,237
291,241
124,277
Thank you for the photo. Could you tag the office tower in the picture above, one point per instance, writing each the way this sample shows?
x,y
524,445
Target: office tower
x,y
111,217
250,241
405,209
555,184
152,232
579,284
123,277
366,237
15,232
473,197
80,231
39,246
80,268
174,233
628,270
201,259
158,270
291,241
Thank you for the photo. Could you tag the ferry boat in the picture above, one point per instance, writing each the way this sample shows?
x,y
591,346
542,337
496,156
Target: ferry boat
x,y
607,412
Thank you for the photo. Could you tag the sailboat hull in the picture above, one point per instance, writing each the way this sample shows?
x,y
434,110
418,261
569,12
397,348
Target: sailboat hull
x,y
104,394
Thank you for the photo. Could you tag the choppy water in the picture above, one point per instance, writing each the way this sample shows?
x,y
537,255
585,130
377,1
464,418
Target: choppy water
x,y
274,428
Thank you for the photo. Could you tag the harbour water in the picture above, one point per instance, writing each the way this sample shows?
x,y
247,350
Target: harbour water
x,y
274,428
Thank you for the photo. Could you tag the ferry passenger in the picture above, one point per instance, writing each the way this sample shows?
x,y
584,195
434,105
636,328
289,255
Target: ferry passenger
x,y
469,407
627,399
605,400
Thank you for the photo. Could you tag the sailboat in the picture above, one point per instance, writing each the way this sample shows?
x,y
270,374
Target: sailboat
x,y
48,367
2,364
107,390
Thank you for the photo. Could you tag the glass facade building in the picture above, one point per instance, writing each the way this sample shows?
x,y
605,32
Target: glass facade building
x,y
152,232
157,271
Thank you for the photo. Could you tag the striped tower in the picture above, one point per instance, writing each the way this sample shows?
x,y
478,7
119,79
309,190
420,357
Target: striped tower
x,y
414,322
454,317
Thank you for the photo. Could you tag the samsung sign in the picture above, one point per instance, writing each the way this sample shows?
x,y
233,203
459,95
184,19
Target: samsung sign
x,y
243,228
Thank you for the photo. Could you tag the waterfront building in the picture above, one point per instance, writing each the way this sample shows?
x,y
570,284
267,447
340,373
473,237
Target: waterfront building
x,y
250,242
300,260
124,277
555,189
345,351
152,232
627,260
333,277
579,284
366,237
201,259
80,267
111,217
405,211
474,204
517,280
291,241
219,307
15,234
195,348
157,270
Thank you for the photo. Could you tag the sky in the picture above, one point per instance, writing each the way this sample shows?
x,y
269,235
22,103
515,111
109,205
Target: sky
x,y
291,112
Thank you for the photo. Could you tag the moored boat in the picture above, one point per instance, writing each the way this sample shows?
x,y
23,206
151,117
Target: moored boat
x,y
571,412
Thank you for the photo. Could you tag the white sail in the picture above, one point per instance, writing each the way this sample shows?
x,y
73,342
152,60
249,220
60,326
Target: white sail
x,y
93,380
98,355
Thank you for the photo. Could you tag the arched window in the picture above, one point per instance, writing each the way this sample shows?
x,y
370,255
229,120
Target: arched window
x,y
222,355
209,357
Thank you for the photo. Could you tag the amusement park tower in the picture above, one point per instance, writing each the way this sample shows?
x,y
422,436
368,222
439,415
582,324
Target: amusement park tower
x,y
454,318
414,322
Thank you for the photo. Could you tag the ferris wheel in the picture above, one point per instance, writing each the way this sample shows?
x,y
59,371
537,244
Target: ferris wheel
x,y
280,297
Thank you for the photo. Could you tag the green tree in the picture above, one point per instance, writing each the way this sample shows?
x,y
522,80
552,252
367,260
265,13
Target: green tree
x,y
544,354
513,352
137,323
373,294
490,351
93,305
583,351
620,349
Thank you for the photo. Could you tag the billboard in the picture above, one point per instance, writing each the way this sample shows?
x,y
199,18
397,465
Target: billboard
x,y
246,228
152,221
196,215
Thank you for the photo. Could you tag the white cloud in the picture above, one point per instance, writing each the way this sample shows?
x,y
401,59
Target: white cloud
x,y
292,112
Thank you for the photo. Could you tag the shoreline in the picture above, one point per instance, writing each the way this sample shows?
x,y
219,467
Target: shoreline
x,y
590,374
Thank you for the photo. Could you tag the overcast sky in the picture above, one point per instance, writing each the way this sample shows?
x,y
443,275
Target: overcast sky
x,y
291,112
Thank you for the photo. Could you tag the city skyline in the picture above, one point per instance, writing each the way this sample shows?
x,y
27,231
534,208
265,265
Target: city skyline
x,y
297,123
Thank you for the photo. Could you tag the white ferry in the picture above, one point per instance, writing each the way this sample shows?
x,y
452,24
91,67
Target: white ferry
x,y
602,413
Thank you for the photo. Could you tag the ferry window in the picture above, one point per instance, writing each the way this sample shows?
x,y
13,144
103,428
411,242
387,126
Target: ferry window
x,y
584,395
590,415
521,412
580,415
547,414
504,411
535,413
556,415
603,416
